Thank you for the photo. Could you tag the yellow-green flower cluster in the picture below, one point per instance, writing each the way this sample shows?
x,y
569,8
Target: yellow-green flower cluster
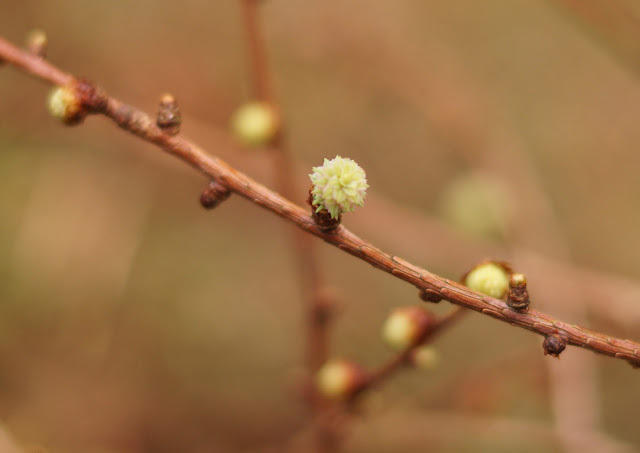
x,y
339,185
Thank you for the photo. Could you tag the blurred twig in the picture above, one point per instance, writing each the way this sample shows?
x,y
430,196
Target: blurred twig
x,y
395,363
317,307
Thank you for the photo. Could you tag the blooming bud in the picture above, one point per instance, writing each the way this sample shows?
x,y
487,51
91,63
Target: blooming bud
x,y
489,278
339,379
255,124
339,185
406,327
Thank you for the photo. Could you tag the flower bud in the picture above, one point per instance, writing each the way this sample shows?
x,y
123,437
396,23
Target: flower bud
x,y
65,104
406,327
489,278
73,102
518,296
339,379
169,118
255,124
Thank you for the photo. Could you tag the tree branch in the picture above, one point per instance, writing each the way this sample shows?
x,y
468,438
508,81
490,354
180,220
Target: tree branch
x,y
140,124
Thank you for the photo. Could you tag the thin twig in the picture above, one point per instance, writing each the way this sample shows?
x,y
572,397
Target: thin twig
x,y
317,309
396,362
140,124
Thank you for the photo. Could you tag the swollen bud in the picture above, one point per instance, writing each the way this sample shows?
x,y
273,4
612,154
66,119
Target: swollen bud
x,y
490,278
406,327
255,124
64,104
339,379
72,103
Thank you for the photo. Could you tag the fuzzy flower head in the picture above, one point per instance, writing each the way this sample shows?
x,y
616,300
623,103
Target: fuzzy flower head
x,y
339,185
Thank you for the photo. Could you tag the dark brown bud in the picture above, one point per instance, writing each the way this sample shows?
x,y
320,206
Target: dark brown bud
x,y
214,194
518,296
323,218
428,295
554,344
169,118
37,43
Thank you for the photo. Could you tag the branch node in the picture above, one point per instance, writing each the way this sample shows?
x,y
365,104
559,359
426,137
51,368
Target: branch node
x,y
554,344
429,295
214,194
169,117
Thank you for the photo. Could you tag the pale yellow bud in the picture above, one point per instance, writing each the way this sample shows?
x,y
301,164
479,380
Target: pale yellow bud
x,y
488,278
338,378
255,124
406,327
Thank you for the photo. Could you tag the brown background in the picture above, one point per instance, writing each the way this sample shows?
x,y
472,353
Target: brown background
x,y
133,321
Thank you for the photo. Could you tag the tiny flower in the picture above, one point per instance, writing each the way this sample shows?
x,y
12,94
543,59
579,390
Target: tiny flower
x,y
65,104
339,185
339,379
406,327
255,124
489,278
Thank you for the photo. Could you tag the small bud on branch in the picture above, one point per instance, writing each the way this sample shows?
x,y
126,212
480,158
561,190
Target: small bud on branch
x,y
37,43
169,118
340,379
72,103
214,194
406,327
490,278
554,344
518,297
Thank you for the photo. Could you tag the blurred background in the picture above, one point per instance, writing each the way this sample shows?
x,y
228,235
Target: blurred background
x,y
131,320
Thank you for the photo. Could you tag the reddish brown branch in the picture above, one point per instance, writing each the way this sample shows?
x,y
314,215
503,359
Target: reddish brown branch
x,y
142,125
